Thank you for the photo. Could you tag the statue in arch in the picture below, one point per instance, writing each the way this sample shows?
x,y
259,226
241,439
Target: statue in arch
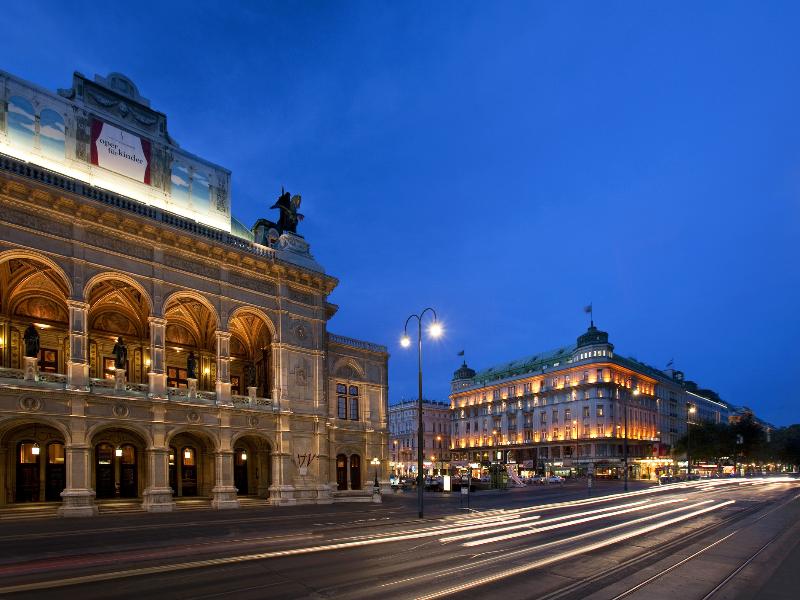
x,y
191,365
250,374
120,354
289,217
31,338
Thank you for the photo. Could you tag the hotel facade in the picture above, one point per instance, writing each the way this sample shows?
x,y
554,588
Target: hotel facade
x,y
572,411
176,353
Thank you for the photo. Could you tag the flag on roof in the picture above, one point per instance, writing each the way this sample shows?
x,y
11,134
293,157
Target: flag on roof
x,y
460,353
587,308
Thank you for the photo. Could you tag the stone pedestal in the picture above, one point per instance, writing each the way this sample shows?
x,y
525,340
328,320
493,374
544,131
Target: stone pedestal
x,y
192,384
282,495
158,500
224,496
157,385
77,503
251,393
308,491
31,366
119,380
78,377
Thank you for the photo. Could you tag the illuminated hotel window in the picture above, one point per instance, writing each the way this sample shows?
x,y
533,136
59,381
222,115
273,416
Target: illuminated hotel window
x,y
600,410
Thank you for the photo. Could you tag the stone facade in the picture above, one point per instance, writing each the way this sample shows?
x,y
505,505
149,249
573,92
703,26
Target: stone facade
x,y
87,266
403,426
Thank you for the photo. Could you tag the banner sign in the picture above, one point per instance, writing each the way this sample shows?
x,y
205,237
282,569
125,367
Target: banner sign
x,y
120,151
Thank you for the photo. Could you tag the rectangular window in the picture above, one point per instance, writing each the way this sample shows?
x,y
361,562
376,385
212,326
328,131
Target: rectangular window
x,y
354,408
342,402
555,417
585,412
600,410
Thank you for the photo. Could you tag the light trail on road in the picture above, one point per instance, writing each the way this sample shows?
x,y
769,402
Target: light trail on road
x,y
570,554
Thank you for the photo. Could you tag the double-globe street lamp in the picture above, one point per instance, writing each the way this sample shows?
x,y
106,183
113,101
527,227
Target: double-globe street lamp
x,y
689,412
435,331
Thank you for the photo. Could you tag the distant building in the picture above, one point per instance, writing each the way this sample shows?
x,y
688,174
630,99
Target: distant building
x,y
403,427
573,410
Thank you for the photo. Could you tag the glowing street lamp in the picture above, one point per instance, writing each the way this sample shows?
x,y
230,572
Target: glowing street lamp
x,y
435,331
690,411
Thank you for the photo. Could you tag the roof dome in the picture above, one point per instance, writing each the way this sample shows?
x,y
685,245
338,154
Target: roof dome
x,y
592,336
464,372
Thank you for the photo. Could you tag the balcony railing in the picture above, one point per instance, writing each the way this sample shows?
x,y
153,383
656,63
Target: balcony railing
x,y
248,402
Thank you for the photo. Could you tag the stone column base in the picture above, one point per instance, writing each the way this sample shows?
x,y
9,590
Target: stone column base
x,y
77,503
282,495
158,500
224,496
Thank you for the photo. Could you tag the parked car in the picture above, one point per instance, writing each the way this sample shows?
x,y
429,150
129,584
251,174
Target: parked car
x,y
555,479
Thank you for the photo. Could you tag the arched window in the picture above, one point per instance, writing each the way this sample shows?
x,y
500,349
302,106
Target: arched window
x,y
21,121
51,134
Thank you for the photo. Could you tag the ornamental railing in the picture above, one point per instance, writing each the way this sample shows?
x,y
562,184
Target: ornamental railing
x,y
354,343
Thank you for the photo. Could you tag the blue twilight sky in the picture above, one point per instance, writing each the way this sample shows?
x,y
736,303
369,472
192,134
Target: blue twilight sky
x,y
506,163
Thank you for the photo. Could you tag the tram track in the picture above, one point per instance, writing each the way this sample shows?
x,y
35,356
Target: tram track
x,y
606,576
579,589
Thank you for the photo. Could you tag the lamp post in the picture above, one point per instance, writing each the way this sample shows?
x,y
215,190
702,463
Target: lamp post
x,y
690,411
375,462
439,439
435,331
625,440
395,468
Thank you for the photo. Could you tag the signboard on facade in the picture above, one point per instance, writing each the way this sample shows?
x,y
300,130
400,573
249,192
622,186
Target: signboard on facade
x,y
120,151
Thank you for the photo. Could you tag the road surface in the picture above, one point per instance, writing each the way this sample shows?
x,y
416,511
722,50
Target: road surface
x,y
707,539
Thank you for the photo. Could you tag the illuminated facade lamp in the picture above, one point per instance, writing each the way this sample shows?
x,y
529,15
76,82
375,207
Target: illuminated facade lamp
x,y
35,449
206,371
244,455
118,451
187,454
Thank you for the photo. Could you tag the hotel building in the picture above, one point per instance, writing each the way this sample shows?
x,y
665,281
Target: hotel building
x,y
573,410
111,230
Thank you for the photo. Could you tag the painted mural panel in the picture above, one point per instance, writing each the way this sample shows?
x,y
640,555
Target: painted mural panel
x,y
21,121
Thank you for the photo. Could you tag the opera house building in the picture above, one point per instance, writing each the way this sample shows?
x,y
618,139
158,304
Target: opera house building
x,y
153,348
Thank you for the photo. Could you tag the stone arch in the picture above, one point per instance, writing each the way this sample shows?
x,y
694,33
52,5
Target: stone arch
x,y
119,276
8,425
195,474
264,436
207,435
346,367
119,464
98,428
21,254
38,476
254,475
251,309
176,295
251,350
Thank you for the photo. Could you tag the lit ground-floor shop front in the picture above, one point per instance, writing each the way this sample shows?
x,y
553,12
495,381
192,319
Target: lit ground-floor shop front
x,y
606,460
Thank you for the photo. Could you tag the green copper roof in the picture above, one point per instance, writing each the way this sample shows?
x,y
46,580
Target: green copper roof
x,y
526,365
